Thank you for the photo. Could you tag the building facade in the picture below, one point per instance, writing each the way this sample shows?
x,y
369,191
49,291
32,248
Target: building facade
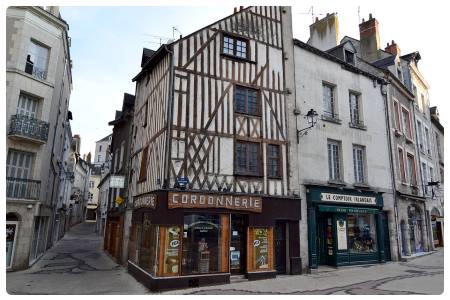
x,y
209,160
102,150
93,196
38,86
343,160
119,208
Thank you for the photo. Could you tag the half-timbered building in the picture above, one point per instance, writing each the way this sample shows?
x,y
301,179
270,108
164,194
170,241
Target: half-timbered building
x,y
209,179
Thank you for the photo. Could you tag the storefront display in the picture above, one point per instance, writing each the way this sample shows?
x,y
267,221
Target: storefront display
x,y
362,233
171,250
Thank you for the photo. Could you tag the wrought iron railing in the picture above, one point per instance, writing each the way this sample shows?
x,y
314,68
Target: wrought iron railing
x,y
22,125
22,188
35,71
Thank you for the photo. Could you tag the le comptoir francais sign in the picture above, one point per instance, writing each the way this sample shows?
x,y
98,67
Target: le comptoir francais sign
x,y
197,200
348,199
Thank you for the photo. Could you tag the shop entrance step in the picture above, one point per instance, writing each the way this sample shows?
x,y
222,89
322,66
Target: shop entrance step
x,y
237,278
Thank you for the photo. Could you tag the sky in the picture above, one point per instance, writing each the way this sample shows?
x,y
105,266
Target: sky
x,y
107,42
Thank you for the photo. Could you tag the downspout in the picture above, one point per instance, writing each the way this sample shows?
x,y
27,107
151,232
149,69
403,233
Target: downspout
x,y
391,162
166,182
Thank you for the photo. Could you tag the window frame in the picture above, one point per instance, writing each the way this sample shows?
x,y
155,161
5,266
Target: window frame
x,y
401,161
397,115
338,164
411,181
407,134
362,164
346,57
333,115
259,172
359,122
278,159
47,62
143,167
258,112
235,39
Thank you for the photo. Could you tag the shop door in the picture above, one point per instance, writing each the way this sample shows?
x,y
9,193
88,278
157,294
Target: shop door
x,y
325,234
280,247
11,229
387,242
237,244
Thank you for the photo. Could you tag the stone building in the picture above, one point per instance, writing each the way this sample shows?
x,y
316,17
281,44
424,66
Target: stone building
x,y
93,196
38,87
209,162
343,160
102,150
80,191
119,208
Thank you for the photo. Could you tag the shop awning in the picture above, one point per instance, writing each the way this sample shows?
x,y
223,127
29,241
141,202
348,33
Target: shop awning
x,y
347,209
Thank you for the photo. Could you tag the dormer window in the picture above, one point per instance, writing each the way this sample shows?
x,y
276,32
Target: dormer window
x,y
234,46
349,57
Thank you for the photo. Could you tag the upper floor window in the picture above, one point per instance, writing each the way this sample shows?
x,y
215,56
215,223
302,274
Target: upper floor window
x,y
143,169
91,184
334,160
355,109
329,105
18,164
235,46
427,140
99,158
397,115
406,123
37,60
122,150
349,57
420,135
273,161
411,169
100,148
401,160
424,177
247,158
246,101
27,105
359,163
90,196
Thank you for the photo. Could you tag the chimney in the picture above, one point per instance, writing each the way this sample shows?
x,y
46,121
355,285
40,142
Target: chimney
x,y
54,10
393,48
235,10
324,33
370,39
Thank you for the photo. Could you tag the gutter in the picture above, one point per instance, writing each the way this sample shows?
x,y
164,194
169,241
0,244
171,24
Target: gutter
x,y
166,181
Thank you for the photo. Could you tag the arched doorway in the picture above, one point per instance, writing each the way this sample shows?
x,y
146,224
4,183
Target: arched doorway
x,y
437,227
12,226
415,223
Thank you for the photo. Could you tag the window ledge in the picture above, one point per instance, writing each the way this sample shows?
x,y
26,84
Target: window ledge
x,y
361,185
337,182
275,177
331,120
409,140
247,175
397,132
357,126
237,58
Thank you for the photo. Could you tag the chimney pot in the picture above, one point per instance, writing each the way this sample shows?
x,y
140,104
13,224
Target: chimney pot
x,y
235,10
363,20
241,8
387,45
370,16
317,19
393,43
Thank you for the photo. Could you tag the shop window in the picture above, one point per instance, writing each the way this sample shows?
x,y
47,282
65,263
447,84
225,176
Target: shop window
x,y
362,235
170,257
260,250
148,244
205,244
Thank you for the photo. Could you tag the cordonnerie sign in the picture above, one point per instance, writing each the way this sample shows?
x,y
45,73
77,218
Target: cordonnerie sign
x,y
348,199
148,201
197,200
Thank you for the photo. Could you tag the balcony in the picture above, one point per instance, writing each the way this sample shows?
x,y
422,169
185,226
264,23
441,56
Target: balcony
x,y
35,71
24,127
22,188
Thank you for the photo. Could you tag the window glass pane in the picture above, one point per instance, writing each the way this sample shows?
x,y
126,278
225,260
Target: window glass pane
x,y
201,244
252,104
228,45
171,250
354,109
241,49
260,248
39,57
240,99
328,100
148,245
361,233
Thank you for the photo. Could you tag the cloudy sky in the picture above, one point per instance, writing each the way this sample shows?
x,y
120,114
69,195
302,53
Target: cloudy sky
x,y
107,46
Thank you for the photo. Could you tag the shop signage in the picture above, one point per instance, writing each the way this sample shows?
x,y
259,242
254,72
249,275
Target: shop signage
x,y
341,226
117,181
348,199
196,200
261,248
148,201
348,210
172,250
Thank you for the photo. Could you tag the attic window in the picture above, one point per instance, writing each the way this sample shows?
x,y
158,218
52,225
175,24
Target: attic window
x,y
349,57
233,46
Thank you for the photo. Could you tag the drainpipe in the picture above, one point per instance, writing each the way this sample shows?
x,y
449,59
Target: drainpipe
x,y
391,162
166,181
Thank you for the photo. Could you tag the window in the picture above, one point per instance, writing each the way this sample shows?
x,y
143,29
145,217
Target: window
x,y
116,158
99,158
438,145
361,233
422,97
122,150
399,74
147,244
91,184
144,121
235,46
406,123
143,170
27,105
441,170
329,101
424,177
420,135
18,164
37,60
246,101
431,178
359,163
355,109
349,57
247,158
273,161
397,116
334,160
411,169
90,196
100,148
427,140
401,160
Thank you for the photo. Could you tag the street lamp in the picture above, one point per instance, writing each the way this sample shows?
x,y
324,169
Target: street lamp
x,y
311,117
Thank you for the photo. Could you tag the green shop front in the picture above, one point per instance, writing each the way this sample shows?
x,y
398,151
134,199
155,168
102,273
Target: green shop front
x,y
345,226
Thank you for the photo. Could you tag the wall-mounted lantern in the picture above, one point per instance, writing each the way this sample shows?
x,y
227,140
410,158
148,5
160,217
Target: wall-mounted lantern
x,y
311,117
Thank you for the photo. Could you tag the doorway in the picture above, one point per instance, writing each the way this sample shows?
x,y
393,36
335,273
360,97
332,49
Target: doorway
x,y
238,240
280,247
325,239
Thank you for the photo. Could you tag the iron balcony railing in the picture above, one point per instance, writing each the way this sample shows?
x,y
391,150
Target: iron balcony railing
x,y
22,188
29,127
31,69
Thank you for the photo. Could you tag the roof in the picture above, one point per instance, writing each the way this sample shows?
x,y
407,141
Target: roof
x,y
127,107
435,118
328,56
105,138
412,56
146,54
384,63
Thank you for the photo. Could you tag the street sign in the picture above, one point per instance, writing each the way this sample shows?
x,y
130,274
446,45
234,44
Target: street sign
x,y
182,181
117,181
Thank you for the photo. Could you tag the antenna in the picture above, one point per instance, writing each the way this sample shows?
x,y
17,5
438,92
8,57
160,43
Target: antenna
x,y
311,12
175,28
359,17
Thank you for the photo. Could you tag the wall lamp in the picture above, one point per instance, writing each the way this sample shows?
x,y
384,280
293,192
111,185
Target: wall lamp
x,y
311,117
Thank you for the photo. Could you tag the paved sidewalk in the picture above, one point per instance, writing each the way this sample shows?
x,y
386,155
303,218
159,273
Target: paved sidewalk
x,y
423,275
75,265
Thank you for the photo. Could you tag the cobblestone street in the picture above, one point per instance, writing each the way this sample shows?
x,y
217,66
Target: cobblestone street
x,y
78,265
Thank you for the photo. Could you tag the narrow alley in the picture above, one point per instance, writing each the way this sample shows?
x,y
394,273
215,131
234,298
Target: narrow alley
x,y
75,265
